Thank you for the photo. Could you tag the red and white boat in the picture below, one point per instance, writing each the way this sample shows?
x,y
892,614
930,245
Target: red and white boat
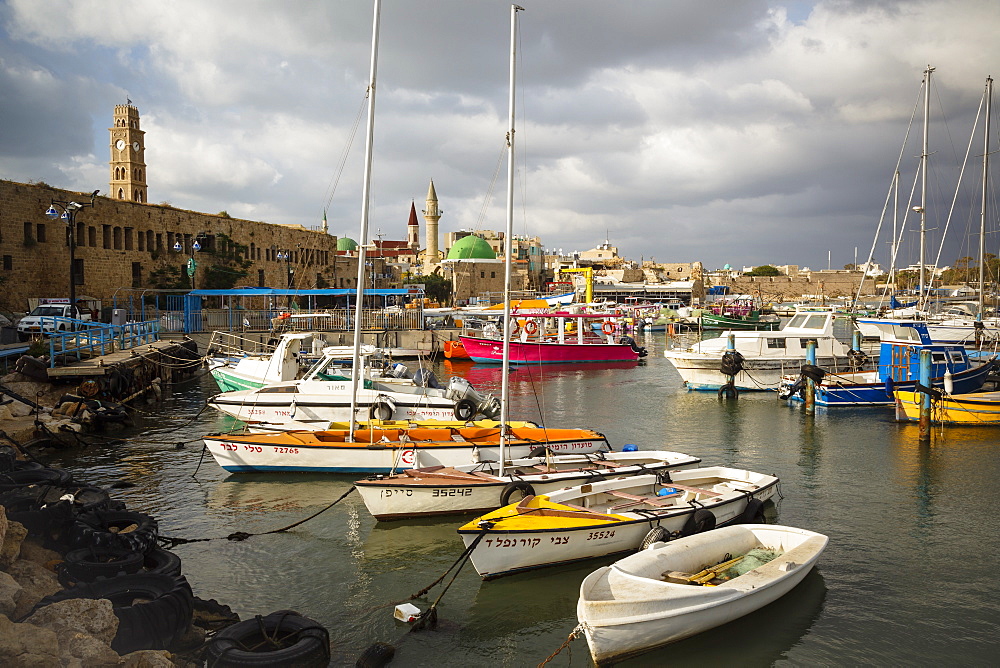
x,y
545,338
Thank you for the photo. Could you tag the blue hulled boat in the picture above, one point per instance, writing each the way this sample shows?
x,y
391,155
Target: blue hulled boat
x,y
901,342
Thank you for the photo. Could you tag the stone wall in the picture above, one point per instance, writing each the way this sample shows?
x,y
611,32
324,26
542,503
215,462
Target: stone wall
x,y
772,288
121,244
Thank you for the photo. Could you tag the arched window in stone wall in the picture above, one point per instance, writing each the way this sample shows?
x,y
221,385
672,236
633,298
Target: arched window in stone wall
x,y
121,193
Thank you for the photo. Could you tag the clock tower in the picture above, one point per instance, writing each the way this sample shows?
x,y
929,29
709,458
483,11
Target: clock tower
x,y
128,155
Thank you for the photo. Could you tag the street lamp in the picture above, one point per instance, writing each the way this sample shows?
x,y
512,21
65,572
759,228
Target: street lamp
x,y
286,256
191,264
68,214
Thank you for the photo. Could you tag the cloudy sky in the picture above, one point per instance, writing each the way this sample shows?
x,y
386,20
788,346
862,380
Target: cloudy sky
x,y
742,131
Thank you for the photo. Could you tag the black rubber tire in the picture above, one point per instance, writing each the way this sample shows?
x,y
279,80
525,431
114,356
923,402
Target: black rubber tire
x,y
159,560
380,411
153,610
35,476
514,487
753,513
89,563
99,529
465,409
376,655
283,638
8,457
701,520
655,535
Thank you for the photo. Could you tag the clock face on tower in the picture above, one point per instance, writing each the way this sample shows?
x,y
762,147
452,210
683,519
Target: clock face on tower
x,y
135,146
120,144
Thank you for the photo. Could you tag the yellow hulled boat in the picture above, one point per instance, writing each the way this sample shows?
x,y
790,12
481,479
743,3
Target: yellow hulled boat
x,y
977,408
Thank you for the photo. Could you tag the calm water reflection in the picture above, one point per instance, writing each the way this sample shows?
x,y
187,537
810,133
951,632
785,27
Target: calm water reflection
x,y
908,577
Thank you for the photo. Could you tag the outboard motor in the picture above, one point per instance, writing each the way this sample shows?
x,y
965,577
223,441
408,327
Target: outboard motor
x,y
425,378
635,346
469,400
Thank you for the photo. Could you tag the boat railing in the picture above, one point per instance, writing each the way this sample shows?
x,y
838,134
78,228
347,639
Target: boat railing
x,y
282,320
230,344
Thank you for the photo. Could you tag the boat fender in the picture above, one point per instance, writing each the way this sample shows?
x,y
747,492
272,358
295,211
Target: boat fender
x,y
465,409
376,656
517,486
729,391
655,535
888,385
282,638
753,513
732,363
701,520
382,408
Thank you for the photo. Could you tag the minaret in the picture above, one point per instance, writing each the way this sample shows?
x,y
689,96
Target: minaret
x,y
128,155
432,214
326,228
413,230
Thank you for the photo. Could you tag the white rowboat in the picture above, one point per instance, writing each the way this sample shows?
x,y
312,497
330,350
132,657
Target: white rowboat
x,y
629,608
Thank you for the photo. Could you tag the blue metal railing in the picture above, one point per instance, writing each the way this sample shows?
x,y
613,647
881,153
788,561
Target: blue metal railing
x,y
90,339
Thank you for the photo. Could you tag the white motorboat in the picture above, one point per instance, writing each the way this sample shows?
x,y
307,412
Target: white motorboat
x,y
604,518
239,368
324,395
762,358
485,486
672,591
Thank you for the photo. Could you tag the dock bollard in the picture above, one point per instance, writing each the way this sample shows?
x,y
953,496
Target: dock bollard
x,y
925,397
810,383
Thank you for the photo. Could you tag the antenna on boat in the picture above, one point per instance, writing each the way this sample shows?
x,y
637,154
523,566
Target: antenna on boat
x,y
363,241
507,247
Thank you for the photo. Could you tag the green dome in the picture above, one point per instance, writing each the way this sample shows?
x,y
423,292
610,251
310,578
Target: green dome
x,y
346,244
471,248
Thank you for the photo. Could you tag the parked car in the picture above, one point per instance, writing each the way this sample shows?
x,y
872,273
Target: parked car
x,y
42,319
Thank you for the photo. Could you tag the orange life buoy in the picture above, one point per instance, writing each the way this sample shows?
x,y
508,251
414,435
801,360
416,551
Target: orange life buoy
x,y
608,327
531,327
515,329
284,316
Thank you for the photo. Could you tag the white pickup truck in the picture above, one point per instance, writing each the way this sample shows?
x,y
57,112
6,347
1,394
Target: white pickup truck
x,y
40,320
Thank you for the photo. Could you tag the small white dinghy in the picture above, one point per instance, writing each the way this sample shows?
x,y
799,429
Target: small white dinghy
x,y
671,591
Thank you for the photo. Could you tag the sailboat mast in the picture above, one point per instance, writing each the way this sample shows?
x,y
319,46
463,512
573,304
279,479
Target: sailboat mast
x,y
923,182
357,371
508,245
982,213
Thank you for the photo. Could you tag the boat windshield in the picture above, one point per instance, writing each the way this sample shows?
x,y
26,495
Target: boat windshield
x,y
807,321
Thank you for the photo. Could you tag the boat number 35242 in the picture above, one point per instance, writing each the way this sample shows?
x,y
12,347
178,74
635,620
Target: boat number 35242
x,y
452,492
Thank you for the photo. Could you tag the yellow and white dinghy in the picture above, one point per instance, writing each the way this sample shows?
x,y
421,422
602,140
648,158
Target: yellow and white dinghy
x,y
675,590
614,516
452,490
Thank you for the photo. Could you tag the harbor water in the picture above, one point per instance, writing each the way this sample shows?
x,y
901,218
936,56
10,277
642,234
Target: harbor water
x,y
909,576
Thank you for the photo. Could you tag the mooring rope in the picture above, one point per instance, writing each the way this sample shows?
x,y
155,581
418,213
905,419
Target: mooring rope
x,y
573,635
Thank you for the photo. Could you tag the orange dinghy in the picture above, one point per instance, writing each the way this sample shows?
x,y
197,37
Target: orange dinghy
x,y
455,350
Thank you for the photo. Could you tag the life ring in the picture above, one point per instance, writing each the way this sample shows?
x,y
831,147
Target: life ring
x,y
515,329
531,327
465,409
284,316
518,486
655,535
608,327
282,638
